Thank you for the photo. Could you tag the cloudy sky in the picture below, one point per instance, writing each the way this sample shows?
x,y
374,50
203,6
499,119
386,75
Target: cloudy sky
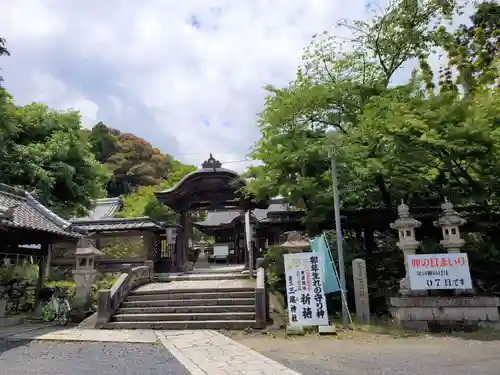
x,y
185,75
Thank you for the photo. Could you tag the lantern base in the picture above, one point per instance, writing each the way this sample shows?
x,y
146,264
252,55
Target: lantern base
x,y
424,313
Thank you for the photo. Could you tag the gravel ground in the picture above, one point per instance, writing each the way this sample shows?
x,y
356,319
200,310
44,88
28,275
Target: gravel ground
x,y
380,355
86,358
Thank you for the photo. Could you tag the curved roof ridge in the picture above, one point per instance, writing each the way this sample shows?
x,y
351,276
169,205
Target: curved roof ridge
x,y
201,171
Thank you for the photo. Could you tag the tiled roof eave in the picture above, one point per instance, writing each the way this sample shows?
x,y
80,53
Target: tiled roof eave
x,y
52,216
62,233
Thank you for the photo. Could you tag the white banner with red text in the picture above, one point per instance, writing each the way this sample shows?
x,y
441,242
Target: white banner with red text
x,y
439,271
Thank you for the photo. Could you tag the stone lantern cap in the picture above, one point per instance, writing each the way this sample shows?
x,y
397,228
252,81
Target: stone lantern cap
x,y
86,248
449,217
405,221
295,240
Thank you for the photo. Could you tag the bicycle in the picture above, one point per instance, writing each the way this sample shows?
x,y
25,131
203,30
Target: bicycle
x,y
56,306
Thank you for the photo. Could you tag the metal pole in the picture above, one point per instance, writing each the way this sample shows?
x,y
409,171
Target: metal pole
x,y
340,250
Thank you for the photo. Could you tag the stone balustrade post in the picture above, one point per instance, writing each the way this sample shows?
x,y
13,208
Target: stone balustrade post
x,y
150,264
261,295
406,225
103,306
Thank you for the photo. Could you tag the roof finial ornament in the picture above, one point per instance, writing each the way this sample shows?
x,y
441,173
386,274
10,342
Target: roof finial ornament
x,y
211,162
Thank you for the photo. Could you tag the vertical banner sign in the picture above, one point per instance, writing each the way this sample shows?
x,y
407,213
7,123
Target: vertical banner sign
x,y
304,287
439,271
319,245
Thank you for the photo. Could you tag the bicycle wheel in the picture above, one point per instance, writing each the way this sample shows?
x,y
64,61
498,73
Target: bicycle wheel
x,y
63,315
48,314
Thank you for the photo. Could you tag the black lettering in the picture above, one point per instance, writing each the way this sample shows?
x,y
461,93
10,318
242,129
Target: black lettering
x,y
320,313
307,313
305,299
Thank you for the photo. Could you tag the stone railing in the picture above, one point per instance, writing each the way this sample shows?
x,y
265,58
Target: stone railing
x,y
109,300
261,296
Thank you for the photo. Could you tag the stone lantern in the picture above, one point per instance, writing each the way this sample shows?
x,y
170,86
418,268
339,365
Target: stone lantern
x,y
295,243
84,272
450,223
406,225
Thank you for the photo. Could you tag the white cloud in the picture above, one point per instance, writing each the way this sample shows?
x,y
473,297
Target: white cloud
x,y
183,75
48,90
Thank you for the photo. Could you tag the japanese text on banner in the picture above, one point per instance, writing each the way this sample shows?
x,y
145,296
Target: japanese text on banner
x,y
305,293
439,271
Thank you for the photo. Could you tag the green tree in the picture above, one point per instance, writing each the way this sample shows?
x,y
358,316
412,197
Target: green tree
x,y
473,48
103,142
331,91
142,201
3,52
132,160
427,145
44,151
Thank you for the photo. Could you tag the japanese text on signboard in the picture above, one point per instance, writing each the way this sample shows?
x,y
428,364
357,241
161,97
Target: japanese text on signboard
x,y
439,271
306,298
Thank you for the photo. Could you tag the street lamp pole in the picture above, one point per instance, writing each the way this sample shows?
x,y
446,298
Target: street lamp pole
x,y
340,249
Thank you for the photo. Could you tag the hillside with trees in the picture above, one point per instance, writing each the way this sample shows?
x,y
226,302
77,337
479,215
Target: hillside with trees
x,y
48,152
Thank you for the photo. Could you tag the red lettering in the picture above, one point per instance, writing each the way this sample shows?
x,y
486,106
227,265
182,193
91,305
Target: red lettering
x,y
460,261
426,263
415,263
434,262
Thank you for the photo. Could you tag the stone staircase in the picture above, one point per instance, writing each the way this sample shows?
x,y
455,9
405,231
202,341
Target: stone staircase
x,y
190,301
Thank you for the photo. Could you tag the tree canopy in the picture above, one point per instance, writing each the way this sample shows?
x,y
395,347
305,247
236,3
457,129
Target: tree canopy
x,y
3,52
142,201
43,150
423,136
132,161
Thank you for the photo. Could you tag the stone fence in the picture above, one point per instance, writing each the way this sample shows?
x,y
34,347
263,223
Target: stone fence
x,y
109,300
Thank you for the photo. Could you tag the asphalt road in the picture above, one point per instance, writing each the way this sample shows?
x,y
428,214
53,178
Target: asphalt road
x,y
424,356
86,358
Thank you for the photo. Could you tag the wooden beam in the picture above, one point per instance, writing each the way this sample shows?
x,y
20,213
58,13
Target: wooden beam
x,y
132,233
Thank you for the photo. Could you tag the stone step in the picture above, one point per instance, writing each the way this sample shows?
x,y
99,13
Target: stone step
x,y
190,302
187,309
226,290
183,317
190,295
200,277
191,324
208,269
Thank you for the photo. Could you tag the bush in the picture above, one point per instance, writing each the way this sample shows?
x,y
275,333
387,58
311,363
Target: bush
x,y
60,274
69,286
275,266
